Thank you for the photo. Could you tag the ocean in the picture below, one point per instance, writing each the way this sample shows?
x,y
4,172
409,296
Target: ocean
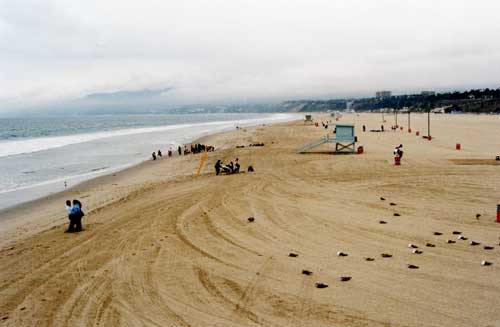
x,y
44,155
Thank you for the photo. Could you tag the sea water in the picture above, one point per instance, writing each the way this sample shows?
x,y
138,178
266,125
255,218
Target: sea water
x,y
44,155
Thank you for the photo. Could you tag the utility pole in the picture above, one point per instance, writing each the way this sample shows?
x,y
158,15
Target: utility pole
x,y
409,126
429,123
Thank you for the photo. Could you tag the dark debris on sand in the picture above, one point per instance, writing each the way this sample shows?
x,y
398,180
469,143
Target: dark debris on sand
x,y
321,285
306,272
293,255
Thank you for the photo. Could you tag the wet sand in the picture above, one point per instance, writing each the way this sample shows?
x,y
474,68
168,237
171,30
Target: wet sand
x,y
162,247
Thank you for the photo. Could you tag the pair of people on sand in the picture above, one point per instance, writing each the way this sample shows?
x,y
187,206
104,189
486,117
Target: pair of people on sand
x,y
75,215
398,151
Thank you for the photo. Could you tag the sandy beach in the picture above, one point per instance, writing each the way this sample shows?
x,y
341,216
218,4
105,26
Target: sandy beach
x,y
163,247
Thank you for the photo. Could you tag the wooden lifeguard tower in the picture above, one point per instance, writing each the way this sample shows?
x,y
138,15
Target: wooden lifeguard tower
x,y
308,120
344,140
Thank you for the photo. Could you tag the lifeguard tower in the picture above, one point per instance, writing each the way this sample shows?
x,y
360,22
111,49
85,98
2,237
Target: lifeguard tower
x,y
344,140
308,120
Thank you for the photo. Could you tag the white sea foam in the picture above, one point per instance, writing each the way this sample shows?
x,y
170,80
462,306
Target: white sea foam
x,y
15,147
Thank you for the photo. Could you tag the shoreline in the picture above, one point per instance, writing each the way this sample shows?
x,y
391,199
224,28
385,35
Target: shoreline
x,y
42,189
22,211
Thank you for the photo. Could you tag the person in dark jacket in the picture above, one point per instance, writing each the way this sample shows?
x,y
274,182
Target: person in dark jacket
x,y
218,165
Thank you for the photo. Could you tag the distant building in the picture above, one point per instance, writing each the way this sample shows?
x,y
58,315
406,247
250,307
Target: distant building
x,y
428,93
383,94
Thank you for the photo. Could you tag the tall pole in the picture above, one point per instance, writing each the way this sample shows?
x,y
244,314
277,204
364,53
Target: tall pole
x,y
396,111
409,126
429,123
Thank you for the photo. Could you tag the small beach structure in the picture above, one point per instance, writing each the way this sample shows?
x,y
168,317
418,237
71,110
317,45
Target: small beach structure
x,y
308,120
344,140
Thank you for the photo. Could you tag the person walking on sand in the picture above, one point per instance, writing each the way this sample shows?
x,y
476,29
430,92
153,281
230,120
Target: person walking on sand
x,y
159,153
153,155
236,166
76,215
400,151
218,165
179,149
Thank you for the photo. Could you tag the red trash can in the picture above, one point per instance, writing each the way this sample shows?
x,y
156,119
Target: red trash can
x,y
498,213
429,138
397,161
417,133
458,146
360,150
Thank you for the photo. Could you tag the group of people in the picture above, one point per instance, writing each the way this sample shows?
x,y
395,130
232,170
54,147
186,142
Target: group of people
x,y
193,148
75,215
231,168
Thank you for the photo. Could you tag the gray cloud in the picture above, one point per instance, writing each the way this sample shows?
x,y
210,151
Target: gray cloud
x,y
54,50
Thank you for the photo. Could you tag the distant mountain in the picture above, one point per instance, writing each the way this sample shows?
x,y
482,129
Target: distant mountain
x,y
127,95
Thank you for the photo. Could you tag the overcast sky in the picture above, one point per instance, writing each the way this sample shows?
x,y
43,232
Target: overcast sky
x,y
210,51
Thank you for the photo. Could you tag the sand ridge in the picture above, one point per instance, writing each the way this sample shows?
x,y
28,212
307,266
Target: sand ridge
x,y
166,248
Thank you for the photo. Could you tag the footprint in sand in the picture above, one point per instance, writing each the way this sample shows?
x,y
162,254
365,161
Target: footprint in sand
x,y
345,278
438,233
369,259
382,222
321,285
450,241
429,245
386,255
413,246
486,247
392,204
293,255
456,232
474,243
417,251
251,219
486,263
341,254
396,214
412,267
463,238
306,272
383,199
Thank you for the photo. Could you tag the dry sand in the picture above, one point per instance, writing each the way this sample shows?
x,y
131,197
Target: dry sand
x,y
165,248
